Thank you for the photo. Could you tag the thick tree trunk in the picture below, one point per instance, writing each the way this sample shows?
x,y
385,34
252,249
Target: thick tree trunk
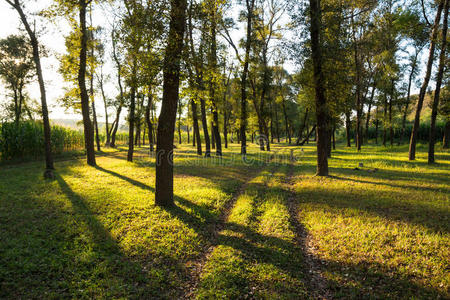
x,y
319,81
84,97
423,89
166,122
437,91
49,166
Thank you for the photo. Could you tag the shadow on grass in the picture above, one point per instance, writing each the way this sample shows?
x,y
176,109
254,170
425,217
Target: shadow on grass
x,y
125,178
119,276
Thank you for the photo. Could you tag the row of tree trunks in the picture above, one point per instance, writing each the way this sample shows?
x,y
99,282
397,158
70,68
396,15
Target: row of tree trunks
x,y
415,129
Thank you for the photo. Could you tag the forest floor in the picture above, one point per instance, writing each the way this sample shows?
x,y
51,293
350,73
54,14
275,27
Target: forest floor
x,y
266,228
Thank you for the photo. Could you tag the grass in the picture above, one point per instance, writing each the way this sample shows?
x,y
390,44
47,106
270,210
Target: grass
x,y
96,233
382,234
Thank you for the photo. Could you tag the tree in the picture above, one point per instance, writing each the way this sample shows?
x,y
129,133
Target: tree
x,y
16,69
434,32
438,85
37,62
321,104
167,117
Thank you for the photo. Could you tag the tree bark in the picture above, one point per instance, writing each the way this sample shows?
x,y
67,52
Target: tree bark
x,y
84,97
131,118
437,91
49,166
319,81
348,125
166,122
105,103
121,94
286,121
205,128
149,122
196,128
415,129
408,97
248,42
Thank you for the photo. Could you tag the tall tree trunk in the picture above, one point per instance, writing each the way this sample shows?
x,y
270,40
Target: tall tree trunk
x,y
149,121
91,78
369,111
131,118
179,122
277,128
286,121
196,128
205,128
415,129
248,42
408,98
391,128
215,133
437,91
358,91
121,94
225,129
385,110
348,125
84,97
213,137
94,115
376,126
49,166
319,82
166,121
105,103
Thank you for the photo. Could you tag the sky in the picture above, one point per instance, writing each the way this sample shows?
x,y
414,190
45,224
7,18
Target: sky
x,y
53,39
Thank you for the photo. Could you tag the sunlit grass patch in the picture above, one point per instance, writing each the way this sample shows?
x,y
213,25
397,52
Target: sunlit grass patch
x,y
384,232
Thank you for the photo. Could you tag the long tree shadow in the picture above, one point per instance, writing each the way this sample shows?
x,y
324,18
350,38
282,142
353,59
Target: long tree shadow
x,y
390,184
125,178
120,275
